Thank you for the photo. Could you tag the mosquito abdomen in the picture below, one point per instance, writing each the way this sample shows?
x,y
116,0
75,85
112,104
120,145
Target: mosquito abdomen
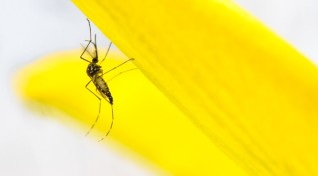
x,y
102,87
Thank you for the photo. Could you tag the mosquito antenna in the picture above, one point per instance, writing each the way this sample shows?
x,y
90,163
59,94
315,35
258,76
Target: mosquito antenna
x,y
111,125
110,44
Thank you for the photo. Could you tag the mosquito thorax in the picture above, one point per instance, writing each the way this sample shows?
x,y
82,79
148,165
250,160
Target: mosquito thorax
x,y
93,69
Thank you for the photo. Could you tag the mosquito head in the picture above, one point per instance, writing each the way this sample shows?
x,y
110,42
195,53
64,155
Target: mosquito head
x,y
95,60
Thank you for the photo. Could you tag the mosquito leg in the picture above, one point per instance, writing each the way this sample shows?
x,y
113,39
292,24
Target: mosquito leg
x,y
121,73
95,45
89,42
100,103
131,59
110,44
87,52
84,52
111,125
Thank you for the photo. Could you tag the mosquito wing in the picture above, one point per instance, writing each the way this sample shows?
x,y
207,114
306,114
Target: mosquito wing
x,y
89,49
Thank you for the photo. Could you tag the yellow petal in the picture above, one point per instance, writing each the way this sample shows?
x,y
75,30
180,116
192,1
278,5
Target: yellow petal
x,y
249,91
145,120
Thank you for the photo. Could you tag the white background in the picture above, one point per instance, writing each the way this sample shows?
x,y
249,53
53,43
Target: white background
x,y
33,145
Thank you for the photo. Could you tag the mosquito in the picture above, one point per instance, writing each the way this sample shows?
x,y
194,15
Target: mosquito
x,y
95,73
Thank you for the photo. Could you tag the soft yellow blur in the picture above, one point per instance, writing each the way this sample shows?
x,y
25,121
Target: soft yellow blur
x,y
145,120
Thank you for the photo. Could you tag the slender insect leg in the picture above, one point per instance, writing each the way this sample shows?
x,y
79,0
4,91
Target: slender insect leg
x,y
131,59
84,47
110,44
121,73
111,125
84,52
89,42
100,103
95,46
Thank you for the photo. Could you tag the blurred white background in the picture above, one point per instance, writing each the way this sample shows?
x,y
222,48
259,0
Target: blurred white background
x,y
294,20
33,145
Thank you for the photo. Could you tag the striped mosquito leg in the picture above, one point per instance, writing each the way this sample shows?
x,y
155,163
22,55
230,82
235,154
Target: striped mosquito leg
x,y
111,125
100,103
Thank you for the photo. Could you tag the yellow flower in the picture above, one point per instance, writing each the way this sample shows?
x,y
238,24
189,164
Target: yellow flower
x,y
249,94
